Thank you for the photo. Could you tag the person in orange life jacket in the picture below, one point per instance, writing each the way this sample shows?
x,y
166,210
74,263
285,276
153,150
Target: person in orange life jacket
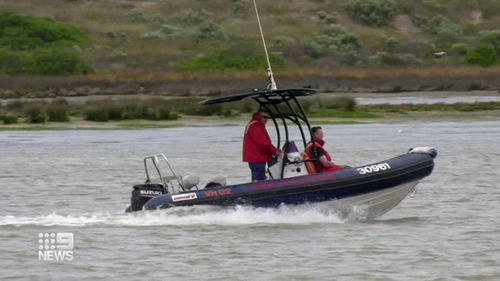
x,y
257,146
325,160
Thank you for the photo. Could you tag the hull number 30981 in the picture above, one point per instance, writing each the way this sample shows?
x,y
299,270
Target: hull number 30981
x,y
373,168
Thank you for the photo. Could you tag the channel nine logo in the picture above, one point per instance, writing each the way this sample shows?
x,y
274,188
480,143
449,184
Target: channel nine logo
x,y
55,246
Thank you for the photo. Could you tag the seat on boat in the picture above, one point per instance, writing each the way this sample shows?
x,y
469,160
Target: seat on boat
x,y
189,182
310,164
216,182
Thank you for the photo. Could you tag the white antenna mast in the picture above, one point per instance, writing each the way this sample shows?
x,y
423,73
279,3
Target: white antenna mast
x,y
272,83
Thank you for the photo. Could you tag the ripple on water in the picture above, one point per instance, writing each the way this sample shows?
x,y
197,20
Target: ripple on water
x,y
80,181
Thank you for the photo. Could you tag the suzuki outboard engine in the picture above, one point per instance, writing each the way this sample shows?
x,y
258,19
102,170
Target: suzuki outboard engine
x,y
142,193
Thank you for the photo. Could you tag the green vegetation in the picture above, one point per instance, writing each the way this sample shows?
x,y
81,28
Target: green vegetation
x,y
357,113
337,41
58,111
140,113
385,58
459,48
445,29
482,55
164,32
105,110
243,57
25,33
344,103
328,18
372,12
34,45
491,38
209,31
190,17
35,113
339,107
8,118
165,37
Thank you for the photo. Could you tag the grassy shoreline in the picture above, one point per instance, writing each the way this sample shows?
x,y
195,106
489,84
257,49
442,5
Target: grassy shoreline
x,y
156,112
200,121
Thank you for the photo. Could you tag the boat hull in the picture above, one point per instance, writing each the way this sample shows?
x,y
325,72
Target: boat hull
x,y
378,187
374,204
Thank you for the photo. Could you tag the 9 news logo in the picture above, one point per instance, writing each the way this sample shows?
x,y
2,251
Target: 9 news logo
x,y
55,246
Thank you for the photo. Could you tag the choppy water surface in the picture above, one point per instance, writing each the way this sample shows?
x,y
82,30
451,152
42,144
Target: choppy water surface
x,y
80,182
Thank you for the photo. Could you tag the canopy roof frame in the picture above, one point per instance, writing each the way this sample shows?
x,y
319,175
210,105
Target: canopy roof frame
x,y
270,101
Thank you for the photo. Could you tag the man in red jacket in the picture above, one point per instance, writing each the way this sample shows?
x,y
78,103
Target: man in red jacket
x,y
257,146
325,161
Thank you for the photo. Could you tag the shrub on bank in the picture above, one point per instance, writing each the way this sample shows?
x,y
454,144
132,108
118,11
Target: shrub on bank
x,y
12,62
446,30
96,112
27,33
231,59
335,40
459,48
35,113
345,103
210,31
230,113
15,106
8,118
102,111
239,7
57,62
389,44
58,111
166,31
40,46
492,38
372,12
483,55
153,109
165,114
328,18
385,58
190,17
204,110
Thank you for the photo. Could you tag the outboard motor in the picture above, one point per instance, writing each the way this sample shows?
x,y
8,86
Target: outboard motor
x,y
142,193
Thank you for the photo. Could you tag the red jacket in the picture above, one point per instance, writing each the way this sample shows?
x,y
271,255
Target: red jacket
x,y
257,146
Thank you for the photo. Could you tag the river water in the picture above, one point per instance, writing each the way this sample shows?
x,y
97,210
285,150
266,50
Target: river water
x,y
79,182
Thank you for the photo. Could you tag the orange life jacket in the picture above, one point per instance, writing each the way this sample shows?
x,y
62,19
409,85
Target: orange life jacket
x,y
318,144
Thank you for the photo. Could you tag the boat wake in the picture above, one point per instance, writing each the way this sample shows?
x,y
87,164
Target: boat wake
x,y
197,215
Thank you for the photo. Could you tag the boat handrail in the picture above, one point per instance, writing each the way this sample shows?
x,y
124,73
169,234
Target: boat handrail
x,y
168,178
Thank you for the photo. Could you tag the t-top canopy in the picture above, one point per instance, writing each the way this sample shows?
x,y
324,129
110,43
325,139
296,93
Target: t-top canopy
x,y
283,93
